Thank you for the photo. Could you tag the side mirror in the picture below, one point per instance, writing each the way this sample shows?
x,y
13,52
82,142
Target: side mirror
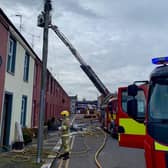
x,y
132,90
132,108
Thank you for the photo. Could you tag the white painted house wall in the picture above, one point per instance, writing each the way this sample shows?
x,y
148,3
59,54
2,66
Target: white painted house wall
x,y
16,85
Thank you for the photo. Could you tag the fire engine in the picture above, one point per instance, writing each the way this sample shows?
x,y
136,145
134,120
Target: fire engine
x,y
131,132
109,119
156,118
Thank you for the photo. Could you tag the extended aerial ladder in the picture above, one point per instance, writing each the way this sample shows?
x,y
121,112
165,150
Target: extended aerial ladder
x,y
84,66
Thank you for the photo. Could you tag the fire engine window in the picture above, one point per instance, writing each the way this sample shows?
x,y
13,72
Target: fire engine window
x,y
124,101
158,103
141,102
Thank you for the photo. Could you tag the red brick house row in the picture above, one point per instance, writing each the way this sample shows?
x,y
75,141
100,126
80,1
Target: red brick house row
x,y
56,98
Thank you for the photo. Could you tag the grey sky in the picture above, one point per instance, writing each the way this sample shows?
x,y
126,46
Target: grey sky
x,y
117,38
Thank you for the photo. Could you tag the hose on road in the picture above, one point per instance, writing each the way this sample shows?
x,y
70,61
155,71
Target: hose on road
x,y
91,131
100,149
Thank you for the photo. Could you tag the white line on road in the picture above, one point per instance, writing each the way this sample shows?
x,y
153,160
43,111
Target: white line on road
x,y
57,147
72,144
46,165
68,160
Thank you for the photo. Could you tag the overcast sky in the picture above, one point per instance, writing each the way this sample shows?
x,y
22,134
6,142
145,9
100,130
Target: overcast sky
x,y
117,38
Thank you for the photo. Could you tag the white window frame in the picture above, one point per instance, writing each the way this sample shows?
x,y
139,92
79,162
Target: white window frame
x,y
10,54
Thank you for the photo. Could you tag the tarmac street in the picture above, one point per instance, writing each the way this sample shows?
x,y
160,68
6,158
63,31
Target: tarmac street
x,y
112,156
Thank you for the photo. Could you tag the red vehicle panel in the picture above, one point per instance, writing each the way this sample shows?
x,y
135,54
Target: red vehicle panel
x,y
126,140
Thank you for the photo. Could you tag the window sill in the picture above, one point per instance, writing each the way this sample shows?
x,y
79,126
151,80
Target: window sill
x,y
26,81
11,73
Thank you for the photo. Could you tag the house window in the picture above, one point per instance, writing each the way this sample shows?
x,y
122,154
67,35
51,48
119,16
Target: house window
x,y
11,55
26,67
23,111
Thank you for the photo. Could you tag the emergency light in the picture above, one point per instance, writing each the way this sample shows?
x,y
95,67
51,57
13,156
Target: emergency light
x,y
160,60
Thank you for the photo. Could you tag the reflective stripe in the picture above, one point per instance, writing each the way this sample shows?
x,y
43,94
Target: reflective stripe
x,y
114,116
109,116
119,137
65,135
161,147
64,127
132,127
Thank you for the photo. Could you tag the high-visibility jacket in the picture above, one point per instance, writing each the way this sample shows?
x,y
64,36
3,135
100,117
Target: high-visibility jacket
x,y
65,134
65,127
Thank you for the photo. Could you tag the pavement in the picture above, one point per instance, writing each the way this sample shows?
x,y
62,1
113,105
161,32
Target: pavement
x,y
27,157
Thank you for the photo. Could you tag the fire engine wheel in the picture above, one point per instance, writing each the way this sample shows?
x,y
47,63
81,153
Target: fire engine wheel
x,y
113,133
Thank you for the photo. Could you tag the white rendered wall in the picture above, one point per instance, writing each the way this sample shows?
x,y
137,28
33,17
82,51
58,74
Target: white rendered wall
x,y
18,87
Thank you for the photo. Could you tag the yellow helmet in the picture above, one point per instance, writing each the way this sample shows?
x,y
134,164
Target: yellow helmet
x,y
65,113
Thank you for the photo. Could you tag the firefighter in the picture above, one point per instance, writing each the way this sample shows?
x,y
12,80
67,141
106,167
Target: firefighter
x,y
65,134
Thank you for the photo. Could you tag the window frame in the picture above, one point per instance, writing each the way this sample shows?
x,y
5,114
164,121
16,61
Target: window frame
x,y
126,97
26,67
11,55
23,111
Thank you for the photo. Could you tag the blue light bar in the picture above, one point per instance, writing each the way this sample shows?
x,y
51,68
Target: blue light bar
x,y
160,60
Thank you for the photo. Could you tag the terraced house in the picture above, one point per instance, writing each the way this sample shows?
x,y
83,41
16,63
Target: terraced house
x,y
18,82
20,78
3,55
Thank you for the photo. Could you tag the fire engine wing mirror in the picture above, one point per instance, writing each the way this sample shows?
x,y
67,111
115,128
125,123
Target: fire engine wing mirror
x,y
132,108
132,90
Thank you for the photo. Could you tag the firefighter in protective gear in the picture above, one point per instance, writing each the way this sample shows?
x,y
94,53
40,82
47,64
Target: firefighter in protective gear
x,y
65,134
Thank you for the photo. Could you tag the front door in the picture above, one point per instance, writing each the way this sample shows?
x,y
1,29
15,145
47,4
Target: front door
x,y
6,123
